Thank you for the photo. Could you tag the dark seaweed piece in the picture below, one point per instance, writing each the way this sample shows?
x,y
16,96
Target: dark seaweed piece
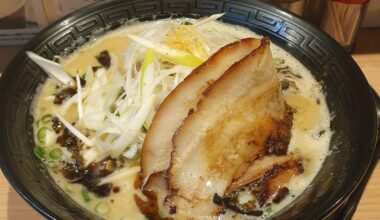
x,y
102,168
322,132
88,176
104,58
81,80
116,189
280,195
217,200
73,171
318,101
173,210
68,140
63,94
102,190
95,68
57,125
231,202
95,171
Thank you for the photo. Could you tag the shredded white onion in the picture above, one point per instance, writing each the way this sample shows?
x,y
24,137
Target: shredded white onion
x,y
53,69
90,156
208,19
131,151
122,173
133,128
159,48
79,92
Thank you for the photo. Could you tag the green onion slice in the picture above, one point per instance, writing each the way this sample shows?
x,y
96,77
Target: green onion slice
x,y
39,123
187,23
86,197
46,118
69,189
144,129
56,153
41,134
102,208
268,209
277,62
39,152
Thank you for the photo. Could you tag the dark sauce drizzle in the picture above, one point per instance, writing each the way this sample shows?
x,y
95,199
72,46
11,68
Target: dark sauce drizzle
x,y
76,172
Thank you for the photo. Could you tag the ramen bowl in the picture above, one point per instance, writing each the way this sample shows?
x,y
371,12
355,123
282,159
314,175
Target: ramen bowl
x,y
352,103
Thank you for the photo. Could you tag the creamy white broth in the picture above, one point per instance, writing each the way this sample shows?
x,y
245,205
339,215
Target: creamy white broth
x,y
310,132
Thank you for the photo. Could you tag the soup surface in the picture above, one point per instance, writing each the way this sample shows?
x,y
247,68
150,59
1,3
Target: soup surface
x,y
108,68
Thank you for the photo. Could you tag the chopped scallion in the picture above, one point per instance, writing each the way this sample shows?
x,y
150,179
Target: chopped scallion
x,y
39,152
46,118
187,23
112,108
161,214
277,62
39,123
102,208
85,196
55,154
41,134
69,189
268,209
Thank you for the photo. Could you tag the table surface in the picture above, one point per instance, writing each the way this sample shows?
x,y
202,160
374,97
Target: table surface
x,y
367,55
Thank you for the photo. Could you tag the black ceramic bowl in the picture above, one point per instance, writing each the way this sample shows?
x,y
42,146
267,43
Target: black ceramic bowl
x,y
349,97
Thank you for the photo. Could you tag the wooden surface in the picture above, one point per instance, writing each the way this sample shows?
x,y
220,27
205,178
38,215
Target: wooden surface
x,y
13,207
369,206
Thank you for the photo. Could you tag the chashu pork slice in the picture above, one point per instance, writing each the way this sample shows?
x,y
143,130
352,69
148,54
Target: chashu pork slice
x,y
174,109
229,129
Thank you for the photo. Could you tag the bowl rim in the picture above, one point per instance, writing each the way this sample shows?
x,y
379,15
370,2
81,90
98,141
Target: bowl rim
x,y
36,40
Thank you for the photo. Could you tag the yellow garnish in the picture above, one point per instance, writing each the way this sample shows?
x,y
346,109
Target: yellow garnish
x,y
185,60
186,38
170,54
